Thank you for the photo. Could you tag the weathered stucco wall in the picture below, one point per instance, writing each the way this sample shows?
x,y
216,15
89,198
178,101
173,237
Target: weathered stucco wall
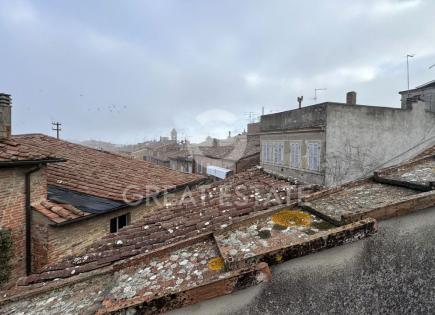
x,y
360,139
307,117
285,169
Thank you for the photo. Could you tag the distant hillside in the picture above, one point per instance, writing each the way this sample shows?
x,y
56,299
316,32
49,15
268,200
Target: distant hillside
x,y
108,146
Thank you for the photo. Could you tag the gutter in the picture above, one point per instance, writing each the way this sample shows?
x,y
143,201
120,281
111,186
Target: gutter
x,y
28,162
28,218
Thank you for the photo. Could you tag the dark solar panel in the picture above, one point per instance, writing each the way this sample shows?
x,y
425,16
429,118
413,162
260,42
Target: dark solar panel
x,y
84,202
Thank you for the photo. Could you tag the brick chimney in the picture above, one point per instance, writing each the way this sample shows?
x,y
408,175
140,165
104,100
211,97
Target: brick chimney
x,y
5,116
351,98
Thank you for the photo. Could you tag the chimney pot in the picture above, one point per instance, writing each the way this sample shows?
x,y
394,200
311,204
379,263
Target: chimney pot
x,y
351,98
5,116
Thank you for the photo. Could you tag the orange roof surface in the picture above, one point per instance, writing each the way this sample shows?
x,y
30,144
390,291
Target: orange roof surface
x,y
13,151
100,173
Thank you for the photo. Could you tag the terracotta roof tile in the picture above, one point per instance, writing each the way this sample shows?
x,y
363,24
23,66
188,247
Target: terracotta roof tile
x,y
11,150
217,152
101,173
178,222
57,212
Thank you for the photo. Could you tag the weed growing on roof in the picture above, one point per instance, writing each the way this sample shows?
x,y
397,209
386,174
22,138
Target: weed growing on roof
x,y
278,258
216,263
289,218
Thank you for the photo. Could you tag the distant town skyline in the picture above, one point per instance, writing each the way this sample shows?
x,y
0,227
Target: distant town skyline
x,y
125,72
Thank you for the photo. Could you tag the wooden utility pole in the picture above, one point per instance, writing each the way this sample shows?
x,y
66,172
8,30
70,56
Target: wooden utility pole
x,y
56,128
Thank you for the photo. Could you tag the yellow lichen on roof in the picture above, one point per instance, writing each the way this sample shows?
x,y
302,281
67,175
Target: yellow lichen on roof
x,y
216,263
289,218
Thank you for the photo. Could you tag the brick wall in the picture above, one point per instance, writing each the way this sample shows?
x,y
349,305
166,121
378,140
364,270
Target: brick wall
x,y
12,210
52,243
40,232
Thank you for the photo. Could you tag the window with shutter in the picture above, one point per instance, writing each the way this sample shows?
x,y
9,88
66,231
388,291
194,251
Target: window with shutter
x,y
295,155
314,156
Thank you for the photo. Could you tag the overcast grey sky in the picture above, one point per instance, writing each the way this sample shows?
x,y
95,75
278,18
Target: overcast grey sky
x,y
122,71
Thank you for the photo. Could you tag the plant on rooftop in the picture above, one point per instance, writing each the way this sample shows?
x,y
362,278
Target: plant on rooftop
x,y
5,255
289,218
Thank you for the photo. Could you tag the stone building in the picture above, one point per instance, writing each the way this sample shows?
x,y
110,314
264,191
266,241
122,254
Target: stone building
x,y
222,245
424,93
238,155
22,182
157,152
57,209
332,143
181,161
174,135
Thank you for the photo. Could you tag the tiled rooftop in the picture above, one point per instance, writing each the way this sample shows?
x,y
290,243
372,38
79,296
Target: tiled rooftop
x,y
57,212
174,276
101,173
420,173
13,151
267,233
178,222
182,254
242,146
147,279
217,152
358,198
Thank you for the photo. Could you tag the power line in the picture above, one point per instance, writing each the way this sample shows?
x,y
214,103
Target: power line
x,y
56,128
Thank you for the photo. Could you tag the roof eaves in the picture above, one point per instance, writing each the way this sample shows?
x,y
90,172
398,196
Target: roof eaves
x,y
13,163
146,199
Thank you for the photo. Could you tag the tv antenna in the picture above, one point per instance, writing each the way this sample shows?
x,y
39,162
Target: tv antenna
x,y
315,93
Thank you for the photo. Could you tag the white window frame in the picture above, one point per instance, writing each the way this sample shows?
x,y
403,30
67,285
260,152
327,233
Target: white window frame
x,y
314,153
264,153
278,153
295,155
267,152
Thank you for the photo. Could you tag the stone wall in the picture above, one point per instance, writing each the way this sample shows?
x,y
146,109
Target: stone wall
x,y
12,210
